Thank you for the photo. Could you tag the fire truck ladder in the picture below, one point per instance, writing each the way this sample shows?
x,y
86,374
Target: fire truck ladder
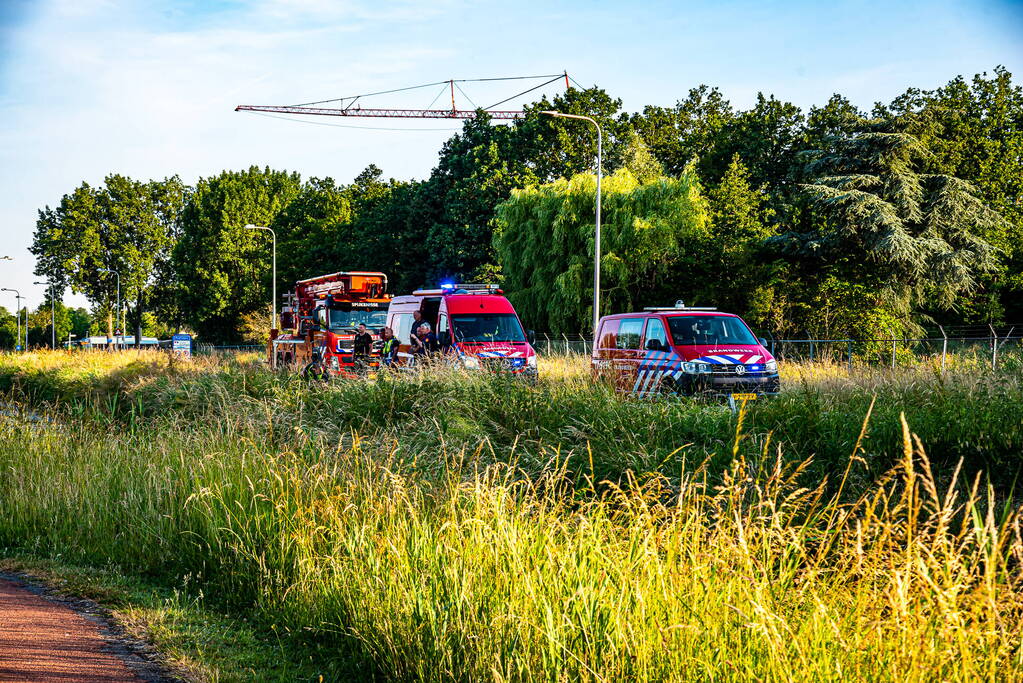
x,y
352,106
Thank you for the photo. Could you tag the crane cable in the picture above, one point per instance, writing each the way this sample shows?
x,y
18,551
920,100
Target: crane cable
x,y
428,85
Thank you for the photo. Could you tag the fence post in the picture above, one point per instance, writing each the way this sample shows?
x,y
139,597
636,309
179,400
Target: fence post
x,y
994,347
811,349
944,348
893,350
848,347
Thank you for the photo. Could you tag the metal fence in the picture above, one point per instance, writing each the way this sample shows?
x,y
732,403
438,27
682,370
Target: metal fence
x,y
887,351
891,351
210,349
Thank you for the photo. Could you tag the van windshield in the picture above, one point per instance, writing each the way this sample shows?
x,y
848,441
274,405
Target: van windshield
x,y
487,327
689,330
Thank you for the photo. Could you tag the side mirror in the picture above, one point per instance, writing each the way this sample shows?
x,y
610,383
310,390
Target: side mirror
x,y
763,342
531,337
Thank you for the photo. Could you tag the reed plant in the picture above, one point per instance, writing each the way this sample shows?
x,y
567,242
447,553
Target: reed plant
x,y
415,529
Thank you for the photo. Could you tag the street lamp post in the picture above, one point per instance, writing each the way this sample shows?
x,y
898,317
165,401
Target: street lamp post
x,y
53,316
596,238
273,294
118,310
17,317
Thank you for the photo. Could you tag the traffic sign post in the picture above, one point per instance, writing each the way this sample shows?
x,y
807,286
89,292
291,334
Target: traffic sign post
x,y
181,344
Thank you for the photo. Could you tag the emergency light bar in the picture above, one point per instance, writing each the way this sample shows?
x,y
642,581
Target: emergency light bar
x,y
454,288
680,306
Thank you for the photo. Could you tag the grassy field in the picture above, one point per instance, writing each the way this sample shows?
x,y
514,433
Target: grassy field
x,y
452,527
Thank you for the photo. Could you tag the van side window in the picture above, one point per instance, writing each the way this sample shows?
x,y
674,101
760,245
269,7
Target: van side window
x,y
629,332
656,337
608,332
402,327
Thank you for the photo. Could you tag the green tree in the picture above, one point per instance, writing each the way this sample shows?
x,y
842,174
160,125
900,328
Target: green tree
x,y
558,148
125,226
911,236
693,129
738,276
310,229
974,131
8,329
226,270
545,243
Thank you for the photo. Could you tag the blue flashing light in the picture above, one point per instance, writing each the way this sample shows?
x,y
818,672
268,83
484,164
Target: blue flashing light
x,y
447,285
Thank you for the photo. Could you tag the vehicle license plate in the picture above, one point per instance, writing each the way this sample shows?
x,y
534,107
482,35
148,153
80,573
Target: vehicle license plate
x,y
744,397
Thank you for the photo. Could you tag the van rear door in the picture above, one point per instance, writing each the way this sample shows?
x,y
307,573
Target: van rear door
x,y
629,351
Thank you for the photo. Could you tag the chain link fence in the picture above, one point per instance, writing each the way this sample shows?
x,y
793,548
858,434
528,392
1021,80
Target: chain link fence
x,y
960,342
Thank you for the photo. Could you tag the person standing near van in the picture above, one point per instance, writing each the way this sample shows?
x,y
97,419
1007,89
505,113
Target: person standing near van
x,y
417,320
389,350
427,341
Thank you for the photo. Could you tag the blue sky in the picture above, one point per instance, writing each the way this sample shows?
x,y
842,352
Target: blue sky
x,y
91,87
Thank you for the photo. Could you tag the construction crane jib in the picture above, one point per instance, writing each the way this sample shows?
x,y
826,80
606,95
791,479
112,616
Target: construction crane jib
x,y
350,106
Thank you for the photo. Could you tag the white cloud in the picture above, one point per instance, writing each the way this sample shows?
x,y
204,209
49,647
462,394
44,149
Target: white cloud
x,y
99,88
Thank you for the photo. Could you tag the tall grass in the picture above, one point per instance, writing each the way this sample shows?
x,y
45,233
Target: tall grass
x,y
388,526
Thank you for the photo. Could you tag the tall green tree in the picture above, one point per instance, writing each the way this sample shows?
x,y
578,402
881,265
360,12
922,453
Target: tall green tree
x,y
226,269
545,241
125,226
913,237
692,130
974,131
558,148
312,231
737,274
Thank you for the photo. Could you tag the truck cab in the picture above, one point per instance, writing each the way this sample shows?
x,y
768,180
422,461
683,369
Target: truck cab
x,y
683,350
477,327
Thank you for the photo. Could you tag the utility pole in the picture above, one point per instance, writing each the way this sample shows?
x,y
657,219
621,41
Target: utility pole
x,y
596,237
273,295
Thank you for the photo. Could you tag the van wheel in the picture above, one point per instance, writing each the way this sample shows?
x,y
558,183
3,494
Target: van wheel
x,y
669,386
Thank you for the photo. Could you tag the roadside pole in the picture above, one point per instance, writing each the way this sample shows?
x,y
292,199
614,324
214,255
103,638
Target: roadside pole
x,y
944,348
994,347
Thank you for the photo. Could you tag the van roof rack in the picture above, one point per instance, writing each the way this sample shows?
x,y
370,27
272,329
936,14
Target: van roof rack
x,y
680,306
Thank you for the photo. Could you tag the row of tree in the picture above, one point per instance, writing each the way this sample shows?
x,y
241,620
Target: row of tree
x,y
36,327
833,221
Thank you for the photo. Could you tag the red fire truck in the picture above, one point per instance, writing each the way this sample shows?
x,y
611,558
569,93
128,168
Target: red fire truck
x,y
319,320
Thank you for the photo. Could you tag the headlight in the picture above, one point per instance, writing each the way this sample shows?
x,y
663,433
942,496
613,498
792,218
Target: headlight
x,y
471,362
771,366
531,361
694,368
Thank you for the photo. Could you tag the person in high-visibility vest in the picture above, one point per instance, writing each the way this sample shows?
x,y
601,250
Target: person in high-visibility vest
x,y
389,351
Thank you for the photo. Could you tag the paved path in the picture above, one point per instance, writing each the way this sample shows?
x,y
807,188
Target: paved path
x,y
45,642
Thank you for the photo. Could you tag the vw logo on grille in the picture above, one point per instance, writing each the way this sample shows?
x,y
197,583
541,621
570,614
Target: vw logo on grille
x,y
740,369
